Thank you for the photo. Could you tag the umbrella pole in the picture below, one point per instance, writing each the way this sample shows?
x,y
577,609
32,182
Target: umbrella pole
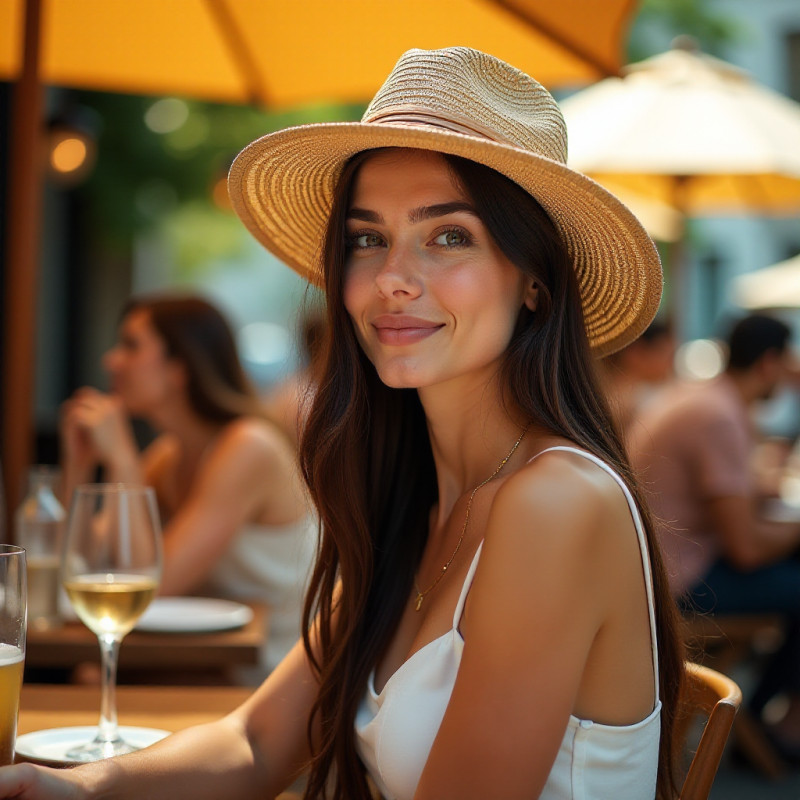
x,y
679,268
22,266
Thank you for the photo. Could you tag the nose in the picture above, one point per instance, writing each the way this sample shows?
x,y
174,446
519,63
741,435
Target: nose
x,y
399,274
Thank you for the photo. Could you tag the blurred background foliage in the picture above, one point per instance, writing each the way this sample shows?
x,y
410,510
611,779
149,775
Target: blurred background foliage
x,y
711,28
161,164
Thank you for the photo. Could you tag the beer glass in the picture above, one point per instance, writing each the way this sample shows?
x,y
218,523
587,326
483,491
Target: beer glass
x,y
110,570
12,644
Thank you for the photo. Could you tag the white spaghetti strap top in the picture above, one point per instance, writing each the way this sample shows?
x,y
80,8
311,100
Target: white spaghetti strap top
x,y
395,728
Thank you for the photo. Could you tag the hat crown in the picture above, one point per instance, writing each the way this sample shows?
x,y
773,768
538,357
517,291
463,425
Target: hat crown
x,y
471,92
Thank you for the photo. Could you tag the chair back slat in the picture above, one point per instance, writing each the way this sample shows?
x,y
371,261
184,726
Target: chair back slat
x,y
712,693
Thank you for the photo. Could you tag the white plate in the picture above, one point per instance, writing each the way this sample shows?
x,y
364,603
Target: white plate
x,y
51,745
193,614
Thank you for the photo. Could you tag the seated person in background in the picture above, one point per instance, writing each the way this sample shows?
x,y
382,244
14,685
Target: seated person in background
x,y
236,517
693,450
634,375
288,403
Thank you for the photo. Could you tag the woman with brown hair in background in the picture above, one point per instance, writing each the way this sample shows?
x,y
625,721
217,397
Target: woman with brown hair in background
x,y
236,517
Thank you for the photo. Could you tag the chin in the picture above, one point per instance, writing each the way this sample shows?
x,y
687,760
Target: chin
x,y
400,378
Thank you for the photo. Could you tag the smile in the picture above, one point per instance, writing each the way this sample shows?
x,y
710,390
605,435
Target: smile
x,y
400,330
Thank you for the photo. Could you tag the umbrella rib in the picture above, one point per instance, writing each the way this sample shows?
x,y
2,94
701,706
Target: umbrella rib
x,y
533,21
239,52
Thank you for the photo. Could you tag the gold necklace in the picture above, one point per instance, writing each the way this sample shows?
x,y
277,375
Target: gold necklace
x,y
420,594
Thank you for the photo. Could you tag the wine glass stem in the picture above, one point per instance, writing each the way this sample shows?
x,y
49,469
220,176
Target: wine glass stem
x,y
109,651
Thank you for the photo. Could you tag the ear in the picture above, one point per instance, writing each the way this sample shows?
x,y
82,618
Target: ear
x,y
531,296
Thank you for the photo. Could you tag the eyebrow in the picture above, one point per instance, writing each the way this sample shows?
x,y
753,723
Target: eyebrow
x,y
416,214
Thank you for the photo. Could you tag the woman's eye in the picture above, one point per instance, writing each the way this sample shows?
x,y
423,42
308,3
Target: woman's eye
x,y
452,238
365,240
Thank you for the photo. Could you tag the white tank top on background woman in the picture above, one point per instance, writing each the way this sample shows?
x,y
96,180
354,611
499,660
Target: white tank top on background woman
x,y
395,728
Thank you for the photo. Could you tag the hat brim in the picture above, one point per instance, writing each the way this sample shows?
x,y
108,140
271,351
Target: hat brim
x,y
282,184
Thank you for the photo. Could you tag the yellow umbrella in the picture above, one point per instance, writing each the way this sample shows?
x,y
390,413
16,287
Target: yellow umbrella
x,y
256,51
279,53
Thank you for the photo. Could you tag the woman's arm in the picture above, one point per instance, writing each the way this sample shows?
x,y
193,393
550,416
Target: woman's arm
x,y
254,752
251,467
557,542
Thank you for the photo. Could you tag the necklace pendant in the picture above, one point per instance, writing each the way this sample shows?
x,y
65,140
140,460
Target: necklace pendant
x,y
418,604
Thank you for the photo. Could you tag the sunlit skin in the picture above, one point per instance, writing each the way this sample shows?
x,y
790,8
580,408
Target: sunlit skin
x,y
432,297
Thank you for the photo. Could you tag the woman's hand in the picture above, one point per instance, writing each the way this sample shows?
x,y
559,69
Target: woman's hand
x,y
95,430
102,419
29,782
77,450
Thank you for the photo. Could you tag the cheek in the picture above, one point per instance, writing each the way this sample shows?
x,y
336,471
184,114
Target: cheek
x,y
495,295
356,291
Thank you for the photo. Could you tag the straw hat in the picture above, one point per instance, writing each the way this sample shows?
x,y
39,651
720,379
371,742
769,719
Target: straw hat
x,y
466,103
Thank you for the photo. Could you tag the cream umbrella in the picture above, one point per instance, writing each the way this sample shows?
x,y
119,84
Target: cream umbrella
x,y
777,286
692,131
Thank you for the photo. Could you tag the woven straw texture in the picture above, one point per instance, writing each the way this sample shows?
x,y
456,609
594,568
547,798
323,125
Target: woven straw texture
x,y
462,102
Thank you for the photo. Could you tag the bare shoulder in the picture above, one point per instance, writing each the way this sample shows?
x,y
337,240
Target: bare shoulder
x,y
254,437
564,495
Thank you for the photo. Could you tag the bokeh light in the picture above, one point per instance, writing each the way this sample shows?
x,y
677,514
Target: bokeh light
x,y
700,359
166,115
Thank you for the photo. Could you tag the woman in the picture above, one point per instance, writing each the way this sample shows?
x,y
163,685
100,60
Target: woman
x,y
486,619
229,491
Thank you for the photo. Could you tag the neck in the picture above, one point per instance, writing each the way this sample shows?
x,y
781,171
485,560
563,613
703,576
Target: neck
x,y
470,434
746,384
192,431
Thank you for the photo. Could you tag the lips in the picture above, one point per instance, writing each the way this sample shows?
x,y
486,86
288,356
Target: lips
x,y
401,329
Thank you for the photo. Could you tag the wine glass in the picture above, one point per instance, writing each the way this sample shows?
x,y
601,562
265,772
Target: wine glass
x,y
110,570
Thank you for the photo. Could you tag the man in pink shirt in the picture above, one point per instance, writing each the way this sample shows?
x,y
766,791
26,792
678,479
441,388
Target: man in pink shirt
x,y
693,449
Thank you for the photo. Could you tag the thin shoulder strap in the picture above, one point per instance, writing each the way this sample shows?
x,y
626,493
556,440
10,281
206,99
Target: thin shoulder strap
x,y
637,522
462,598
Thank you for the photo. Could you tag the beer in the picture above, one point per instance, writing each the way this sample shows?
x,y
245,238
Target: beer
x,y
11,665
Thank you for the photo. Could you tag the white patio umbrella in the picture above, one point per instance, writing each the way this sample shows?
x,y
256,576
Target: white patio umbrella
x,y
692,131
777,286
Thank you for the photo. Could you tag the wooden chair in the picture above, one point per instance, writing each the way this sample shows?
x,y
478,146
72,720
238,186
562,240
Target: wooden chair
x,y
725,641
714,694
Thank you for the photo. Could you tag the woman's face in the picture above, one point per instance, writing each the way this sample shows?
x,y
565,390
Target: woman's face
x,y
141,372
431,295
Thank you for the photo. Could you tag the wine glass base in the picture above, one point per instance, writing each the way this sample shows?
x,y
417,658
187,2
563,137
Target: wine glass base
x,y
97,749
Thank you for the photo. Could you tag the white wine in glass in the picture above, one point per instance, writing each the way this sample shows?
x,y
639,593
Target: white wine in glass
x,y
111,569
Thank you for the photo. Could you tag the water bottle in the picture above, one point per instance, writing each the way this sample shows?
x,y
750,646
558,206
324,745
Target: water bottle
x,y
39,527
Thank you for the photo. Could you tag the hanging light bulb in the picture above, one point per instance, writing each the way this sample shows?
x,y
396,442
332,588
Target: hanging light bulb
x,y
72,147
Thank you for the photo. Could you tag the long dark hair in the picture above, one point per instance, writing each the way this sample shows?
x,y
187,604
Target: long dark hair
x,y
196,334
367,459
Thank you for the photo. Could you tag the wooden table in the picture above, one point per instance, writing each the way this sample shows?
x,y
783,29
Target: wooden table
x,y
172,708
73,644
